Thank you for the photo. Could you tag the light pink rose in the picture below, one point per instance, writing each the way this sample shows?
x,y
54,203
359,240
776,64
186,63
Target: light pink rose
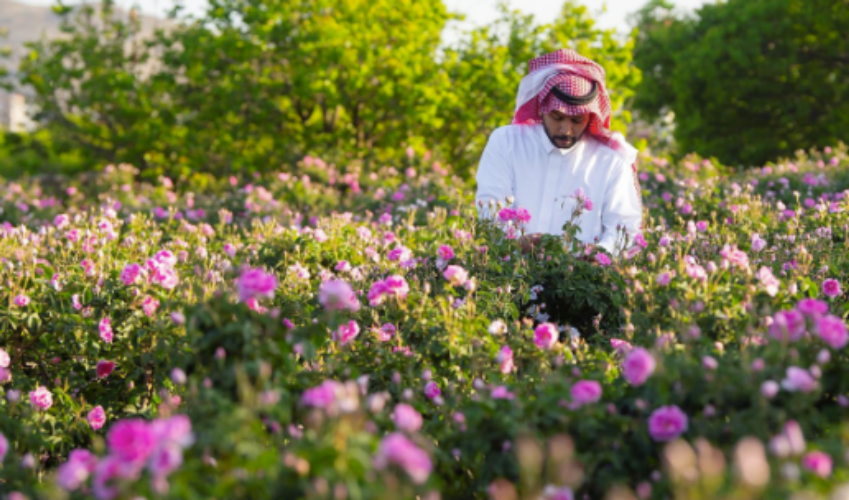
x,y
799,380
505,360
817,462
396,449
667,423
603,260
21,300
546,335
96,417
347,332
41,398
5,360
638,366
406,418
337,295
586,391
105,327
456,275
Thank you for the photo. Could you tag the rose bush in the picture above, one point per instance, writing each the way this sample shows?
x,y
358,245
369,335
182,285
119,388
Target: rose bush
x,y
290,337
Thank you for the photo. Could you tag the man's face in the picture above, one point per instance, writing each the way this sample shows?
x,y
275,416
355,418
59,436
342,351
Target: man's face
x,y
563,130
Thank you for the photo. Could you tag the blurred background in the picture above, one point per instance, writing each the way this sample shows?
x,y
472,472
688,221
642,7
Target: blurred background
x,y
239,86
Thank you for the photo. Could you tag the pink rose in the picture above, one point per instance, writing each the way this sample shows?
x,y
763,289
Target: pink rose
x,y
638,366
667,423
832,330
432,390
663,279
817,462
255,283
445,252
347,332
545,336
386,332
787,325
5,360
522,215
322,396
61,221
603,259
456,275
812,307
337,295
505,360
4,447
96,417
104,368
21,300
799,380
769,389
131,441
74,473
506,214
831,288
5,375
406,418
150,305
105,327
131,273
586,391
41,398
396,449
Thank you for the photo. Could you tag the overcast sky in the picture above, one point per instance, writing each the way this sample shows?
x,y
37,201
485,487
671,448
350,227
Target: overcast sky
x,y
478,12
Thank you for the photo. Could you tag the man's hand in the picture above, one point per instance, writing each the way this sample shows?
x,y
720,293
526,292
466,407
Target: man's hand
x,y
529,241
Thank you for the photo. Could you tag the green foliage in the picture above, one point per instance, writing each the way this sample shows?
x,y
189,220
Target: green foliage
x,y
748,81
253,85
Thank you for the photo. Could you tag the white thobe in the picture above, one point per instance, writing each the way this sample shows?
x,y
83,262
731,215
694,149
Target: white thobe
x,y
521,162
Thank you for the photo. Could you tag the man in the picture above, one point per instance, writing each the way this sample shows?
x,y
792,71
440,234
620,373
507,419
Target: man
x,y
560,144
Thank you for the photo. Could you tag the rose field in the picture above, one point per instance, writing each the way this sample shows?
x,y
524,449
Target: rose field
x,y
328,333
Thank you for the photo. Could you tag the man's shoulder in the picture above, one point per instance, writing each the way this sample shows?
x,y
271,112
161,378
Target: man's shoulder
x,y
512,131
620,157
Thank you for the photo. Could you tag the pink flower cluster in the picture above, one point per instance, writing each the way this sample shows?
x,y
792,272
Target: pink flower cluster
x,y
256,283
393,286
398,450
133,445
337,295
791,325
520,215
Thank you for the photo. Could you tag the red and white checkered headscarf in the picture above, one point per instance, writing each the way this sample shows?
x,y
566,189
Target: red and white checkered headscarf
x,y
573,74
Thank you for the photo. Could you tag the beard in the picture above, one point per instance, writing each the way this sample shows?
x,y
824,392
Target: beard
x,y
562,141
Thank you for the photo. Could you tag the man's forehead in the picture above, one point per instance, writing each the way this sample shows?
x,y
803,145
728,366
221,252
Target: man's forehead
x,y
556,113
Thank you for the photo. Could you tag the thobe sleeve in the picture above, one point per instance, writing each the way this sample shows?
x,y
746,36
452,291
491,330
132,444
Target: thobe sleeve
x,y
495,173
622,207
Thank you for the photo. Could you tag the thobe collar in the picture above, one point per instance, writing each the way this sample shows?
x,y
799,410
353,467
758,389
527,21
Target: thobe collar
x,y
549,146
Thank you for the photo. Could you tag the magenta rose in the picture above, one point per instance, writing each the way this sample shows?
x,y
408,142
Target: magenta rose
x,y
546,335
586,391
667,423
638,366
41,398
96,417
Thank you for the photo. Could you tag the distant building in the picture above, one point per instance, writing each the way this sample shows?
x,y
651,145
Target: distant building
x,y
15,112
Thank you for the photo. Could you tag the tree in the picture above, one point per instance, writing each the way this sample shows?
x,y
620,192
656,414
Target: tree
x,y
749,81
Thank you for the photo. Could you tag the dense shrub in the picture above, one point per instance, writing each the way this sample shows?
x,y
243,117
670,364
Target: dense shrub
x,y
330,333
